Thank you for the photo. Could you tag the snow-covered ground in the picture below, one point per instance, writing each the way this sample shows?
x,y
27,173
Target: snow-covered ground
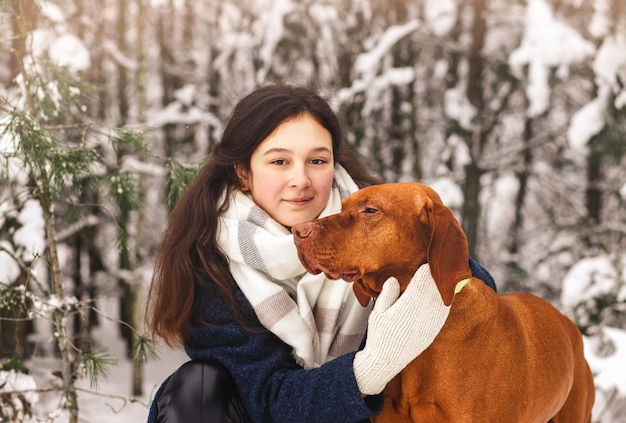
x,y
95,409
112,400
112,403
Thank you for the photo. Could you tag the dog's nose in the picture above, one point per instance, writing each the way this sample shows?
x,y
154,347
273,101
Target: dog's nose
x,y
301,230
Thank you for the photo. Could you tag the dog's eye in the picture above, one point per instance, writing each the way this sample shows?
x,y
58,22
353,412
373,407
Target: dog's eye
x,y
370,210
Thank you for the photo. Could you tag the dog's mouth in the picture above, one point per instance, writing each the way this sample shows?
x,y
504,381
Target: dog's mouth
x,y
348,276
345,276
310,269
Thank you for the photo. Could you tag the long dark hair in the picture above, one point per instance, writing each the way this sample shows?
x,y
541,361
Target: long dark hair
x,y
189,246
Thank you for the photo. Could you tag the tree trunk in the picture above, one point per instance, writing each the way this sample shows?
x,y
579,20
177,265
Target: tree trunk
x,y
59,315
476,61
170,81
403,131
23,22
471,206
471,209
15,324
122,45
136,287
593,192
516,241
24,18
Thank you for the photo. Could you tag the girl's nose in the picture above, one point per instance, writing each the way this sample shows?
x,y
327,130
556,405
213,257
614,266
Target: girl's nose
x,y
299,177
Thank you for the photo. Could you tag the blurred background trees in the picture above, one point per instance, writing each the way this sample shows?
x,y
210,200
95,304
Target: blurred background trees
x,y
514,110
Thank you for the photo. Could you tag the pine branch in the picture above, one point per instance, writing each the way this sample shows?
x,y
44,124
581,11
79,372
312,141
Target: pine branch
x,y
178,180
143,348
95,365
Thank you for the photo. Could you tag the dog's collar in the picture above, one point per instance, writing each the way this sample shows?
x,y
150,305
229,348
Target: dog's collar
x,y
460,285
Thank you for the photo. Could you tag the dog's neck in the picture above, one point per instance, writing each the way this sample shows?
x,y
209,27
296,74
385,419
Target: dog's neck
x,y
404,280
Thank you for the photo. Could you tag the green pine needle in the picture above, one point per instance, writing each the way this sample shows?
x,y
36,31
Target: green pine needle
x,y
133,138
95,365
123,191
178,180
143,348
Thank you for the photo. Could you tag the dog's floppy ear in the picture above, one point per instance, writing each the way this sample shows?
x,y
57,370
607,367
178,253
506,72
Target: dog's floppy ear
x,y
448,255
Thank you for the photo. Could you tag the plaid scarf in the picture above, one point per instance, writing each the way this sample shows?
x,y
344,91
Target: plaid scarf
x,y
320,318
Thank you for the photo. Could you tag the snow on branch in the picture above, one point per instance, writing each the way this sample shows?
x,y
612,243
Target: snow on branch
x,y
367,63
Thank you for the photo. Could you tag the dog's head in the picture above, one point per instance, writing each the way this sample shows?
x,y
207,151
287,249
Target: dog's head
x,y
382,231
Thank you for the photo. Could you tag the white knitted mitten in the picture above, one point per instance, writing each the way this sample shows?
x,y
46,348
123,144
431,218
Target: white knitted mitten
x,y
398,331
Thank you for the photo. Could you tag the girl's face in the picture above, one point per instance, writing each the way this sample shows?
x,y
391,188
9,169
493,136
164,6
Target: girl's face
x,y
291,171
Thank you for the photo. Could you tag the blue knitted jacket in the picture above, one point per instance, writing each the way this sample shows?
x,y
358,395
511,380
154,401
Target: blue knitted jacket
x,y
273,387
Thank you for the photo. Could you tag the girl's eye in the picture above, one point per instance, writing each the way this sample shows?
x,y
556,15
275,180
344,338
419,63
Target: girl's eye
x,y
279,162
318,161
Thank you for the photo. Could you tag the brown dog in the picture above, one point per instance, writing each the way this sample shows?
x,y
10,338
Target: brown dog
x,y
498,358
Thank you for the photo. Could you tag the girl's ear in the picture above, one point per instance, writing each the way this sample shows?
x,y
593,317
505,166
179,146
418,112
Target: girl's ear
x,y
244,177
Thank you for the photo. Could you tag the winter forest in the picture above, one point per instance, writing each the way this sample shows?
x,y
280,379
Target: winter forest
x,y
513,110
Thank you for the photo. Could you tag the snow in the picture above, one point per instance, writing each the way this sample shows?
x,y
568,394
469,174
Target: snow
x,y
100,409
600,22
609,59
69,51
590,277
9,269
31,234
367,67
52,12
440,15
502,212
12,381
458,107
367,63
270,30
63,49
587,122
451,193
39,41
182,110
112,400
547,43
175,112
609,369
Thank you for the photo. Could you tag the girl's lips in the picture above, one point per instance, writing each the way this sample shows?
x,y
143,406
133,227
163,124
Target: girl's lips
x,y
299,201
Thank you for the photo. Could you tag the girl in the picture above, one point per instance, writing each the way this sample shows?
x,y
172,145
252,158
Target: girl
x,y
269,342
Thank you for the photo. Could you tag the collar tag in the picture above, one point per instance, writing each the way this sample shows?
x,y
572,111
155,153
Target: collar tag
x,y
460,285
